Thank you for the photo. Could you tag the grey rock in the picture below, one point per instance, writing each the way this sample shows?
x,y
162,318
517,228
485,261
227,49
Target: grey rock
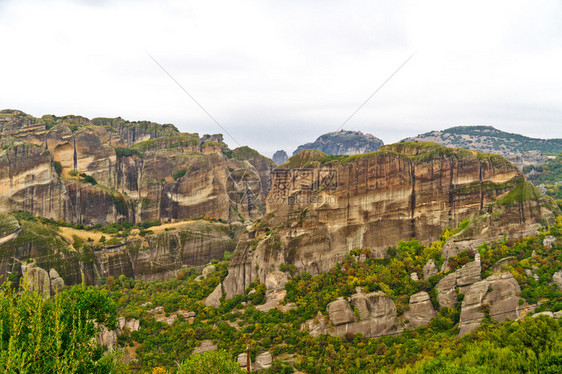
x,y
214,298
243,359
57,283
498,293
548,241
462,278
430,269
414,277
132,324
421,310
340,312
207,270
206,346
263,361
107,338
446,291
37,277
549,314
280,157
557,279
317,326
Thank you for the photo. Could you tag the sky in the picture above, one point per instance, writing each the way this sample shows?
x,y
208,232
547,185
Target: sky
x,y
277,74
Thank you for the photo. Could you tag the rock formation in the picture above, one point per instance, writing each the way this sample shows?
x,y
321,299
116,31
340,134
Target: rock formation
x,y
343,143
319,209
462,279
157,256
106,170
421,310
497,295
374,316
280,157
520,149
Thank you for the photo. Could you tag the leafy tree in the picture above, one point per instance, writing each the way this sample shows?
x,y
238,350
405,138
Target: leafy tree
x,y
54,335
217,362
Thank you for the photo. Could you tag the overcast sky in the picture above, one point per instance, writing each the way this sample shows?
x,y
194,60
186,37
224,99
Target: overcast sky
x,y
277,74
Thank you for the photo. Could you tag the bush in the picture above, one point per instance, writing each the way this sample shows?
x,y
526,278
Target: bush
x,y
58,167
179,174
217,362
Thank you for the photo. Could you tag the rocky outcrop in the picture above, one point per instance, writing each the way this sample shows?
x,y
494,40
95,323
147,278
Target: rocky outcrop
x,y
39,280
156,256
517,214
280,157
340,312
319,209
108,338
375,315
274,290
343,142
462,279
518,148
421,310
497,295
107,170
263,361
557,279
430,269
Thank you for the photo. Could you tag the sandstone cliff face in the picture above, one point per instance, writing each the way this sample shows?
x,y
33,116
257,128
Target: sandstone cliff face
x,y
518,214
318,208
144,171
55,262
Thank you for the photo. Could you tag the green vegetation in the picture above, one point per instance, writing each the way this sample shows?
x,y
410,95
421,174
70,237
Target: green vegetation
x,y
126,152
54,335
166,142
236,322
478,137
217,362
179,174
58,167
549,175
524,191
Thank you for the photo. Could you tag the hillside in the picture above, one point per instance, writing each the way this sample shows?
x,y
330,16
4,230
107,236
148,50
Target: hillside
x,y
359,263
504,282
488,139
343,143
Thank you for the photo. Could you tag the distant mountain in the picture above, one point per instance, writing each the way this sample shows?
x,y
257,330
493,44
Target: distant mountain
x,y
343,142
489,140
280,157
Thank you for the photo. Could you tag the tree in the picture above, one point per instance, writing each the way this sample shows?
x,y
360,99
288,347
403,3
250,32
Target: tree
x,y
217,362
54,335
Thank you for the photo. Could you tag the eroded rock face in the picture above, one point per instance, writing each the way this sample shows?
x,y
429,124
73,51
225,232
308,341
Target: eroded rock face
x,y
376,317
462,278
421,310
263,361
340,312
39,280
497,294
430,269
402,191
274,290
144,171
518,214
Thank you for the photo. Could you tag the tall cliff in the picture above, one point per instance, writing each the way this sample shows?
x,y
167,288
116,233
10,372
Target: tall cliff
x,y
321,207
105,170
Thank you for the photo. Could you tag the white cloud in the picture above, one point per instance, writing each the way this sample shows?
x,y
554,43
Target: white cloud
x,y
278,74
